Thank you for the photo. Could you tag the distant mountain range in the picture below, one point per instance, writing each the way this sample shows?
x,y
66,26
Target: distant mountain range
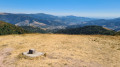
x,y
111,23
46,21
42,20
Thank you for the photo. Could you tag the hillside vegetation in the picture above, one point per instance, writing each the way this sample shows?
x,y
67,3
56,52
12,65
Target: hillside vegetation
x,y
117,33
89,30
61,50
6,28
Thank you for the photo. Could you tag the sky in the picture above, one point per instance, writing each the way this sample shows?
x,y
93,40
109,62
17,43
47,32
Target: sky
x,y
85,8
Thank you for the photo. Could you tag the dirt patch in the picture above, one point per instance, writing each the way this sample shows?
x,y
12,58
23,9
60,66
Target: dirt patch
x,y
4,60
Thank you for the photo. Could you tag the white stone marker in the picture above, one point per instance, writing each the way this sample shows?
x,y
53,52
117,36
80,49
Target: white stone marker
x,y
33,53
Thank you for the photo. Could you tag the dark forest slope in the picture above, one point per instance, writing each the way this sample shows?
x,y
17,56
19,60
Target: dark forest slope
x,y
6,28
87,30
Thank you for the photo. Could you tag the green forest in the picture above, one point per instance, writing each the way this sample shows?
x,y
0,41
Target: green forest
x,y
89,30
6,28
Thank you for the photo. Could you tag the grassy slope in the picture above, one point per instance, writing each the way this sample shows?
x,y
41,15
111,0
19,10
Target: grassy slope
x,y
65,50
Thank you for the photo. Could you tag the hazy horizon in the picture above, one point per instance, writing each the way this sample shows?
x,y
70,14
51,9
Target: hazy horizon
x,y
83,8
66,15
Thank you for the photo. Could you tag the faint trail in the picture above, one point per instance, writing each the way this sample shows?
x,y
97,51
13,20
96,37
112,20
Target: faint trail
x,y
4,62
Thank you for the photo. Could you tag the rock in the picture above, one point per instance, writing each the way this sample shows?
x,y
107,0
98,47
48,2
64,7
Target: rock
x,y
31,51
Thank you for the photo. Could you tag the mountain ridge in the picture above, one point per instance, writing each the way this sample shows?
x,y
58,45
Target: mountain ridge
x,y
51,22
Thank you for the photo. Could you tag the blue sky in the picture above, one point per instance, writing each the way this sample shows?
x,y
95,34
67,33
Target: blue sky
x,y
86,8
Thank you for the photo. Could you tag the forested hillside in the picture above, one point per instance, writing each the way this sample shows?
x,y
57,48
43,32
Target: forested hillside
x,y
6,28
87,30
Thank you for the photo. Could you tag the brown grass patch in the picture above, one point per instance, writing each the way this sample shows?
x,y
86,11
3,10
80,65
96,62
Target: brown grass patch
x,y
64,50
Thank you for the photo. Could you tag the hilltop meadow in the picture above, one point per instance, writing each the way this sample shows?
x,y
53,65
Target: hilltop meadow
x,y
61,50
59,33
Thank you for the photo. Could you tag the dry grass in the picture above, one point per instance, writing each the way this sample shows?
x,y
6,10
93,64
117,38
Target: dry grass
x,y
64,50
